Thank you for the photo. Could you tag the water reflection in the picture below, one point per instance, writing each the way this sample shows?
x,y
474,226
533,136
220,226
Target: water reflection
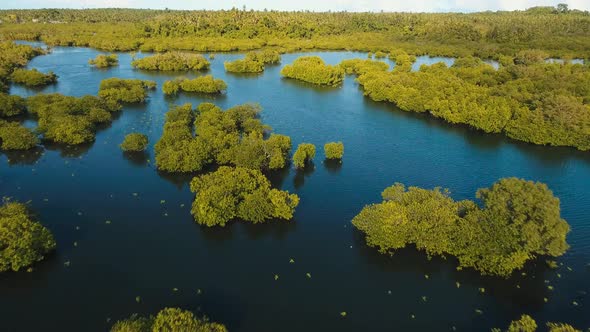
x,y
137,158
333,165
69,151
26,157
301,174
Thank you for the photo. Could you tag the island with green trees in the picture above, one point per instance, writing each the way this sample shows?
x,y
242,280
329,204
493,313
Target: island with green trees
x,y
172,61
253,62
104,61
312,69
134,142
202,84
32,77
519,220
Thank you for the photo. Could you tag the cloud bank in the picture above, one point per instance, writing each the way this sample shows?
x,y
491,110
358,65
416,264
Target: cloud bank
x,y
324,5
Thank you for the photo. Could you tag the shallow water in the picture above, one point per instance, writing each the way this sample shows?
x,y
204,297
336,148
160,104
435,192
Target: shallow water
x,y
150,248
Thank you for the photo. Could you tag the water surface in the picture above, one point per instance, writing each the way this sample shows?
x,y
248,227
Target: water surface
x,y
150,247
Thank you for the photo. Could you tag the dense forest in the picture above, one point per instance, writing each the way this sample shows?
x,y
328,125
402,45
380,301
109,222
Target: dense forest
x,y
558,31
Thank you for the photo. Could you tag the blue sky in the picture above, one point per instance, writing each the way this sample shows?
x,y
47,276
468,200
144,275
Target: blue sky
x,y
315,5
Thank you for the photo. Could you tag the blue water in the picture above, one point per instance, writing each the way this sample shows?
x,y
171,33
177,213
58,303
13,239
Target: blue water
x,y
150,248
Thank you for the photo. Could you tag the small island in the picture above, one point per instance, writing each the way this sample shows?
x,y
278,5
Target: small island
x,y
312,69
134,142
32,77
168,320
104,61
172,61
202,84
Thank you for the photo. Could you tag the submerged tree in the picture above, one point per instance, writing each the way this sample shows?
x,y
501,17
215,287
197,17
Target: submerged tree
x,y
239,193
312,69
202,84
303,155
23,240
334,150
172,61
13,136
104,61
519,220
134,142
168,320
125,90
33,77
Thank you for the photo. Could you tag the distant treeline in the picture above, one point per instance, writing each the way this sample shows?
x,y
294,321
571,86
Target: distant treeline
x,y
558,31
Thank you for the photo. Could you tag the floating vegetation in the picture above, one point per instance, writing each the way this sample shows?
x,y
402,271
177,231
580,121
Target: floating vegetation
x,y
276,277
291,261
308,275
478,311
343,314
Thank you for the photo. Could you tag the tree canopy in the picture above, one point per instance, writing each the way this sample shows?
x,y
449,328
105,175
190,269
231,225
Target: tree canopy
x,y
303,155
172,61
527,324
104,61
23,240
202,84
239,193
32,77
334,150
312,69
518,221
13,136
232,137
125,90
168,320
134,142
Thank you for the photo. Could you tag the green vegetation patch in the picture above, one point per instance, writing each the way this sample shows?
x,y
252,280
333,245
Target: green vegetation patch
x,y
253,62
11,105
202,84
125,90
70,120
13,56
519,220
134,142
239,193
13,136
312,69
527,324
32,77
168,320
232,137
540,103
172,61
334,150
23,240
104,61
304,155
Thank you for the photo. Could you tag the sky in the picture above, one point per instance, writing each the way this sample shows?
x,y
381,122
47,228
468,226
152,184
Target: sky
x,y
314,5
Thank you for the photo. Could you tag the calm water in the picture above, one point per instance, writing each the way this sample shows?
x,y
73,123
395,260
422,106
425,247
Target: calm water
x,y
151,248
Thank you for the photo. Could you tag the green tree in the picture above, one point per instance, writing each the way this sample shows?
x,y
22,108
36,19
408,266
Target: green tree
x,y
334,150
172,61
303,155
104,61
11,105
13,136
134,142
168,320
33,77
239,193
124,90
24,240
312,69
519,221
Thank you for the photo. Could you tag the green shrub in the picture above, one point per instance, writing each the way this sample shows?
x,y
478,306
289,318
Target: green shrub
x,y
134,142
168,320
202,84
242,193
231,137
125,90
104,61
13,136
32,77
244,66
70,120
172,61
312,69
519,220
360,66
304,155
334,150
11,105
24,240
